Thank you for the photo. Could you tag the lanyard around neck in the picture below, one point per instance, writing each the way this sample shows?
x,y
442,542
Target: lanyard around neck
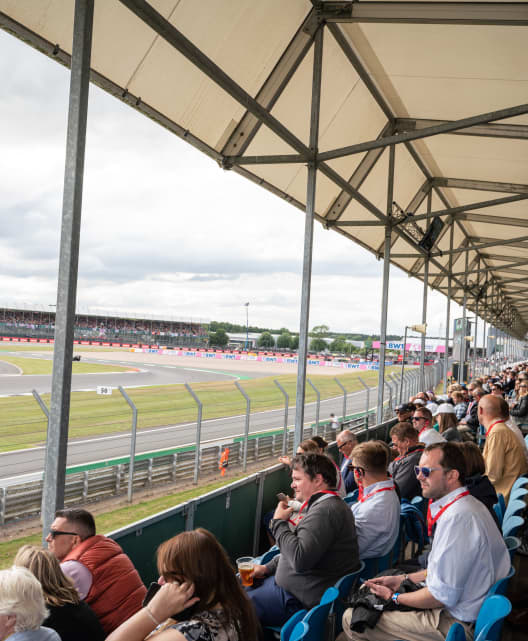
x,y
381,489
300,514
501,420
430,521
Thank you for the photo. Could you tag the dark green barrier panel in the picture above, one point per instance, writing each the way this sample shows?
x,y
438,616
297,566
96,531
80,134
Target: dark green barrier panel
x,y
140,540
231,517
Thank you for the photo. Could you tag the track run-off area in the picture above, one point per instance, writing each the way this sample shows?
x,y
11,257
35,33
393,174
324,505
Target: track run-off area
x,y
100,425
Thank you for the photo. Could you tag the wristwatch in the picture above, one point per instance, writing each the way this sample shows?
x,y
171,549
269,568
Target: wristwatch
x,y
394,597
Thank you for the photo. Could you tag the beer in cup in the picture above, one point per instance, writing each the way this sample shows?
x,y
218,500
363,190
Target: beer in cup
x,y
245,566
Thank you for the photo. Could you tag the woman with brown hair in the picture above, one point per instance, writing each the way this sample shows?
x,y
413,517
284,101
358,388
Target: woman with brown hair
x,y
70,617
476,481
200,598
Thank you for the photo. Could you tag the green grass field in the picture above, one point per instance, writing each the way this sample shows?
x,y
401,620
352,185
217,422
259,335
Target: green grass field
x,y
22,423
31,366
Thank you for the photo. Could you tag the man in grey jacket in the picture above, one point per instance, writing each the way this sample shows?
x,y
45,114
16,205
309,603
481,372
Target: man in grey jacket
x,y
316,553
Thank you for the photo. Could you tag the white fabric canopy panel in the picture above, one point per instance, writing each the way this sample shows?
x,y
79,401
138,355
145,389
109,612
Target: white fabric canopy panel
x,y
235,79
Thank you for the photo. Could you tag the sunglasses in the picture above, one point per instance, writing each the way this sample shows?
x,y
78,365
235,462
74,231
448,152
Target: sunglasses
x,y
425,471
360,470
55,533
342,445
419,418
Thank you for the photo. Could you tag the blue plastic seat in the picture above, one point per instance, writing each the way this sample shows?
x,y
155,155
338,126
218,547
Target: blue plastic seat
x,y
501,586
268,555
513,544
511,525
351,497
490,618
517,493
502,504
489,622
375,565
498,511
312,627
522,480
287,628
514,507
343,586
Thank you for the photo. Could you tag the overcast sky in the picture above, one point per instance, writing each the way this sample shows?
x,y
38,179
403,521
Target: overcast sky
x,y
165,231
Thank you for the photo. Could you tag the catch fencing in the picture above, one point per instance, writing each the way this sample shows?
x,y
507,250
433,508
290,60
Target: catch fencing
x,y
185,465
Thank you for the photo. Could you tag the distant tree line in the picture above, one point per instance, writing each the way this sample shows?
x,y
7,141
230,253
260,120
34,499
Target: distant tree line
x,y
287,340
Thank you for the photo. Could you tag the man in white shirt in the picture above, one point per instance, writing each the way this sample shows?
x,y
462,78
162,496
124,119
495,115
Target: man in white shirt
x,y
377,512
467,557
422,421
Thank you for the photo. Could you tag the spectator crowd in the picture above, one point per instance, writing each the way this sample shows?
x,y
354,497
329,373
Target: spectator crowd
x,y
454,457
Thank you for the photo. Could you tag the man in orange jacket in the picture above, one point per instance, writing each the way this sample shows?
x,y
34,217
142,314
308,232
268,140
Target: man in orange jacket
x,y
102,573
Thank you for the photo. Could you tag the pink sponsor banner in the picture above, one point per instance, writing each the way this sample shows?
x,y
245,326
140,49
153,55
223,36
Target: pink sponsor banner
x,y
414,346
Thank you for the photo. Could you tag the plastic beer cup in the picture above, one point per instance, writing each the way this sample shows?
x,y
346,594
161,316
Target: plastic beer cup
x,y
245,566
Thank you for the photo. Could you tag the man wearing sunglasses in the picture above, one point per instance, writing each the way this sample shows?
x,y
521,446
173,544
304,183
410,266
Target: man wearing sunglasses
x,y
377,511
346,442
102,573
422,421
468,556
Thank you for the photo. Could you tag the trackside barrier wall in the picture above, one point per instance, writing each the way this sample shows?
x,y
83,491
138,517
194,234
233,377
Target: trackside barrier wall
x,y
233,513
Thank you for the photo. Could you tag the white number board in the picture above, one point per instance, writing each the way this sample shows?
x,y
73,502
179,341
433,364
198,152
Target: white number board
x,y
104,389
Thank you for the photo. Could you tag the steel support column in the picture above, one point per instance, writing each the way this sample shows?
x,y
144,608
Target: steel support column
x,y
424,303
308,240
464,313
385,291
57,440
475,344
448,305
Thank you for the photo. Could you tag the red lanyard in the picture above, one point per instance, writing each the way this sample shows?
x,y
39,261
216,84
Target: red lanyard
x,y
300,514
424,429
501,420
381,489
404,456
430,521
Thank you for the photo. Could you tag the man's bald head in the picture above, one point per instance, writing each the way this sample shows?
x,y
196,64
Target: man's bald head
x,y
346,442
491,407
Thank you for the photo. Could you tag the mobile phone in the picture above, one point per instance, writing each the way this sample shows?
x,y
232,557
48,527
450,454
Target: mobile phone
x,y
153,588
282,497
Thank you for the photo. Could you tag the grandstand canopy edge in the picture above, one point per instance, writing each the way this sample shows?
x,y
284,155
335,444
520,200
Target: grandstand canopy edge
x,y
237,83
401,125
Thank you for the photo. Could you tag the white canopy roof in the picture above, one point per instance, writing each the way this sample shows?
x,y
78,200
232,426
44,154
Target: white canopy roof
x,y
234,78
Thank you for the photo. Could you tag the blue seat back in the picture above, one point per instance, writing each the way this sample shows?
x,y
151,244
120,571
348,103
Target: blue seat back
x,y
351,497
456,633
522,480
300,632
287,628
518,493
312,627
500,514
490,618
511,525
501,586
268,555
502,503
376,564
414,527
513,544
515,506
343,586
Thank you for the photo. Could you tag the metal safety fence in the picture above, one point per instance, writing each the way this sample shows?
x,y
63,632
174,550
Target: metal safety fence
x,y
187,464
